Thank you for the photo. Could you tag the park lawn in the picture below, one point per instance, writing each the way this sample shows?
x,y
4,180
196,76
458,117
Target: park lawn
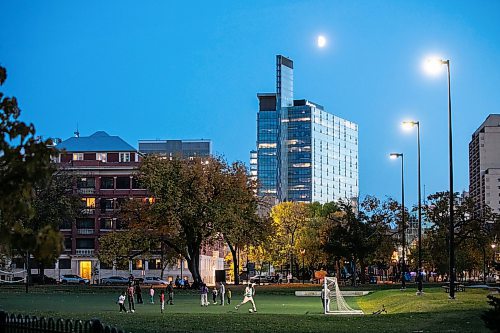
x,y
432,312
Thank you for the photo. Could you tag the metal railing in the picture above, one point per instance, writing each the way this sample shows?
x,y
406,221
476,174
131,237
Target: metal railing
x,y
85,252
85,231
11,323
86,190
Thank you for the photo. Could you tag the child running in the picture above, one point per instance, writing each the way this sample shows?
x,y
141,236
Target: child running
x,y
248,296
121,302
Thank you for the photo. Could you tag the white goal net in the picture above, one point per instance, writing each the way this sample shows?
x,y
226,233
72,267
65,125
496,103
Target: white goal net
x,y
12,277
333,301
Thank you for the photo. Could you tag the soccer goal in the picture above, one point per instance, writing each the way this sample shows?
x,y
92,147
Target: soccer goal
x,y
333,301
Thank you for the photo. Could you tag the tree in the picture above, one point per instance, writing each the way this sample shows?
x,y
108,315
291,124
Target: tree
x,y
289,219
238,222
24,164
189,202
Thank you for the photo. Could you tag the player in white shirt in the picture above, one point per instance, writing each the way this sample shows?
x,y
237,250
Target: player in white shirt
x,y
248,296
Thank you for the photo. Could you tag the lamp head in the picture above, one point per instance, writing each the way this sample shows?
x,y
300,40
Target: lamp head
x,y
493,246
433,65
409,124
393,156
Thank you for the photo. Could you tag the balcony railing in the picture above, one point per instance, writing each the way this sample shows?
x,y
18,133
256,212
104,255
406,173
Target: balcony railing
x,y
85,252
85,231
86,190
88,211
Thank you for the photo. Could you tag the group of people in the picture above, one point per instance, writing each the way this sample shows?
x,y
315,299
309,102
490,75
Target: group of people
x,y
219,292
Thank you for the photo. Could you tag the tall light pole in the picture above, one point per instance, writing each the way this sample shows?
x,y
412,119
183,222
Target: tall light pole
x,y
410,124
433,65
403,231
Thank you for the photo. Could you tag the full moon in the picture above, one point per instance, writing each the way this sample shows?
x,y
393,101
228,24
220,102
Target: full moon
x,y
321,41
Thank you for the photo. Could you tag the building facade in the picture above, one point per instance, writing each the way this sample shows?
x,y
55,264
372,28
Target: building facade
x,y
105,167
304,153
484,164
176,148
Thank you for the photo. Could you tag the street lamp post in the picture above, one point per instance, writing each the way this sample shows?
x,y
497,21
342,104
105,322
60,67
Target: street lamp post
x,y
303,252
419,271
433,65
403,231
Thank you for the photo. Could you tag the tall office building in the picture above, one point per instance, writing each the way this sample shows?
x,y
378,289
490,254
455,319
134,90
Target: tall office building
x,y
178,148
304,153
484,164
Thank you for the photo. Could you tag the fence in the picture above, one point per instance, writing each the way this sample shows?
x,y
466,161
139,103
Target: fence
x,y
11,323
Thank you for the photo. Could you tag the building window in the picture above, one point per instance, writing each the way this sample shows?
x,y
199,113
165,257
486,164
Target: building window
x,y
77,156
64,263
124,157
85,243
123,183
103,157
107,183
107,223
85,183
89,202
67,244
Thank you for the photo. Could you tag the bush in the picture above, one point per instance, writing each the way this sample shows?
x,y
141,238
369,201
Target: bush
x,y
492,317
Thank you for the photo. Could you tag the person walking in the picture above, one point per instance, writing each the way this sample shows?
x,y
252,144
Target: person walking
x,y
152,294
248,297
130,294
162,300
204,294
170,292
222,293
121,302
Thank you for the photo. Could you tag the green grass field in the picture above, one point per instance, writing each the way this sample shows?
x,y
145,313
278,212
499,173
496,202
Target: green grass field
x,y
278,311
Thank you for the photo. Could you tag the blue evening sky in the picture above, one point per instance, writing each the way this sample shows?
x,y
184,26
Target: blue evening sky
x,y
191,69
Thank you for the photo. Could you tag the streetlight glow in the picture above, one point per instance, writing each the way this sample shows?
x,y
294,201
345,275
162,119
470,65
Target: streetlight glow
x,y
393,156
408,125
321,41
433,65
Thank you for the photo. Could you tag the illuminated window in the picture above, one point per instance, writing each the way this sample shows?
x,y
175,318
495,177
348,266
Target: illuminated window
x,y
89,202
267,145
103,157
77,156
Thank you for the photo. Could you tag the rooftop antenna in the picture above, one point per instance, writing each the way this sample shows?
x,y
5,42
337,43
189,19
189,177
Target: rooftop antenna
x,y
77,133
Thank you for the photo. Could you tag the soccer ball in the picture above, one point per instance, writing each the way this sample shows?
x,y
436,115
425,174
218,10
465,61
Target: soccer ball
x,y
250,310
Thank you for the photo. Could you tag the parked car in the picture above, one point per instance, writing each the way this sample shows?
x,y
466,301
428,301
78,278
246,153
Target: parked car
x,y
154,280
42,279
73,279
116,280
261,279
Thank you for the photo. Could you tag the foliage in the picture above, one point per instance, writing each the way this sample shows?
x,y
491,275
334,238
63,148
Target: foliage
x,y
24,164
491,317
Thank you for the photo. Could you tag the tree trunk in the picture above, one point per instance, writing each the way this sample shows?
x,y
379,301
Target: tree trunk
x,y
362,279
236,266
193,261
41,271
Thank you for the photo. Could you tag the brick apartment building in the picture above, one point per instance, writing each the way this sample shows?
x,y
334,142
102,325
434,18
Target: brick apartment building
x,y
105,166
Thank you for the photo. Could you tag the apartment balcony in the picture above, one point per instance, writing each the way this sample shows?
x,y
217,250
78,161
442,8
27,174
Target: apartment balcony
x,y
89,190
88,211
85,252
85,231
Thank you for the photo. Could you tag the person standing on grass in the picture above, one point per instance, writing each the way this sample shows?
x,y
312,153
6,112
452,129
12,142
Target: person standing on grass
x,y
222,293
325,298
214,295
248,296
228,292
162,300
170,291
130,294
152,294
204,294
121,302
138,292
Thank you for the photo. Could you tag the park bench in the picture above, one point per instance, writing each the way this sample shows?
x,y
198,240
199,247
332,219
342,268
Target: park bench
x,y
458,287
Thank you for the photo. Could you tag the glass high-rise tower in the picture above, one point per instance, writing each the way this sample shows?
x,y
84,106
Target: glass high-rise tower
x,y
304,153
